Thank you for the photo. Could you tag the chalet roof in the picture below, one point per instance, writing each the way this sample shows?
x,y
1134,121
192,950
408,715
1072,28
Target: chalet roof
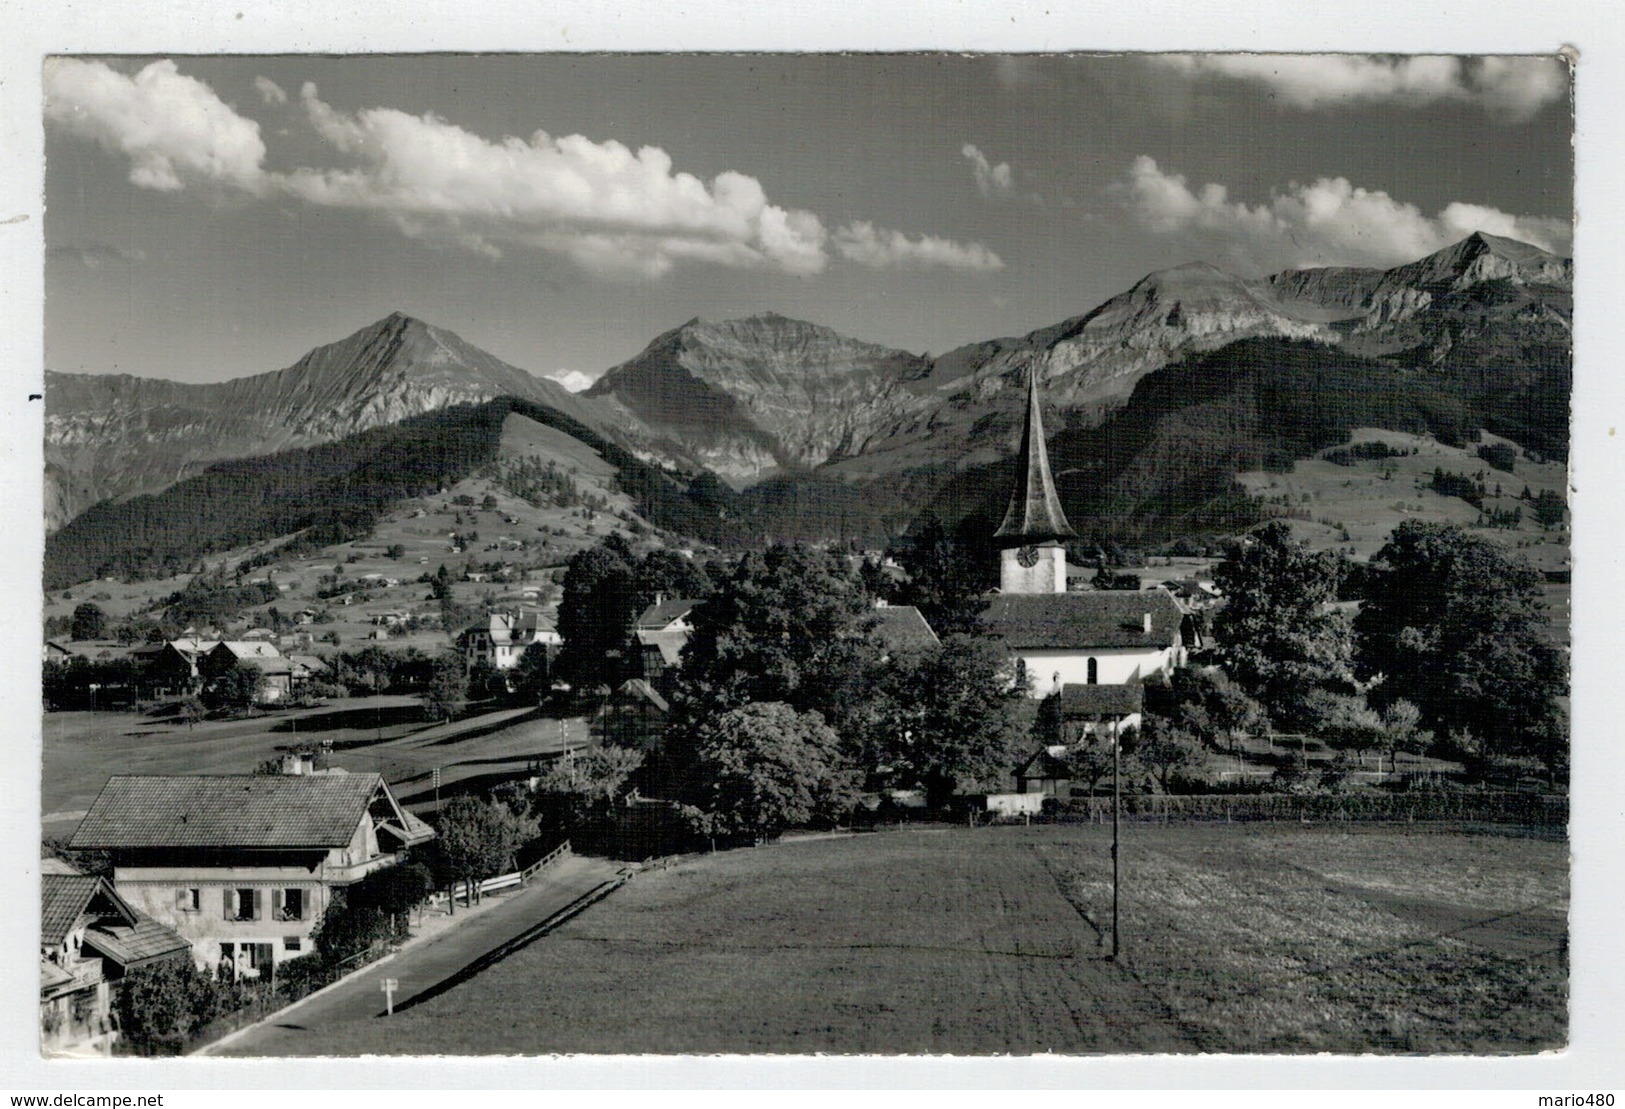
x,y
245,649
657,616
1089,701
134,945
313,663
902,626
66,897
1034,514
1046,762
670,644
1080,621
642,690
53,977
230,810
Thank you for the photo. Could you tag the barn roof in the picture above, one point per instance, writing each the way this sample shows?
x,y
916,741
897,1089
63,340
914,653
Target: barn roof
x,y
133,945
1079,621
902,626
1087,701
233,810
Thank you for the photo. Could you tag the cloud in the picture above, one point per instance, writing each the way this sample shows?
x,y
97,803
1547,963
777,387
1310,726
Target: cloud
x,y
993,182
93,256
270,92
610,209
1511,88
174,129
1328,222
862,242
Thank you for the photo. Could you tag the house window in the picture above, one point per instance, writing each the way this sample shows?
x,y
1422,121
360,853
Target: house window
x,y
1094,672
240,904
292,944
188,900
288,904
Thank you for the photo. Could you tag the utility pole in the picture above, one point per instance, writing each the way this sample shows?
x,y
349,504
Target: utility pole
x,y
1117,804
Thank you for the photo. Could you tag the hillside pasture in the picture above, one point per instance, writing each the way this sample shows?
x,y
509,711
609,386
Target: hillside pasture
x,y
1237,938
1371,497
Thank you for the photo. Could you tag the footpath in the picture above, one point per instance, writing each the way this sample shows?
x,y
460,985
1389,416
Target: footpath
x,y
447,950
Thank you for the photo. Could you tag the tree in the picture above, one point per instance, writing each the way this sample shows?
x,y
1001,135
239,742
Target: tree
x,y
163,1005
1344,721
1089,762
762,768
89,621
476,838
948,716
1401,731
532,676
1456,625
1276,636
1166,748
572,791
234,688
600,602
1549,509
1207,703
396,551
949,573
447,688
790,624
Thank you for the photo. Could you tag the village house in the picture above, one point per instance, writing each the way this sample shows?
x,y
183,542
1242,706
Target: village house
x,y
243,866
90,937
281,677
504,637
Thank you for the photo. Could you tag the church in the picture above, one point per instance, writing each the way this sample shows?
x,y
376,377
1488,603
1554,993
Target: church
x,y
1062,639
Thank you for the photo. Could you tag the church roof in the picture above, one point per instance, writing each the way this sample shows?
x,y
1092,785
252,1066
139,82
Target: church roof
x,y
1034,514
1079,621
902,626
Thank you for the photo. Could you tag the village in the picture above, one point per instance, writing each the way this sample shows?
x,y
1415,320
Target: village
x,y
277,847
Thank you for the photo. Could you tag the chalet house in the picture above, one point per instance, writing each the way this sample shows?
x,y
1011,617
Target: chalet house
x,y
243,866
89,938
661,632
634,716
503,638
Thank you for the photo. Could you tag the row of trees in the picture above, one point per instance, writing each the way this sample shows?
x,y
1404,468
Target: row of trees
x,y
1449,639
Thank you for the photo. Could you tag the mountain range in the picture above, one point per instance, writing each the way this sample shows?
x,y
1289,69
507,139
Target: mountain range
x,y
768,404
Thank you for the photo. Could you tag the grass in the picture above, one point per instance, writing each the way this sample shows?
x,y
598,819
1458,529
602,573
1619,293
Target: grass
x,y
1237,939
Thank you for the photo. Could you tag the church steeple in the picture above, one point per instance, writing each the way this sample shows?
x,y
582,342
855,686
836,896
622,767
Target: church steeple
x,y
1034,515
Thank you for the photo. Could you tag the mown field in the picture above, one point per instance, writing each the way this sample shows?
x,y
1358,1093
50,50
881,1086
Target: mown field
x,y
1238,938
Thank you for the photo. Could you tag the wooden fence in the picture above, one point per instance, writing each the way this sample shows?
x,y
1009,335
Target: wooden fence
x,y
1532,809
516,878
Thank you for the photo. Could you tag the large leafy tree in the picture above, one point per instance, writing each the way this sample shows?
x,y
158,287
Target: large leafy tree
x,y
601,600
1276,635
950,573
789,624
762,768
476,838
1455,625
89,621
947,717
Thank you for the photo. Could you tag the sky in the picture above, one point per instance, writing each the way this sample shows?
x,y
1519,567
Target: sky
x,y
210,217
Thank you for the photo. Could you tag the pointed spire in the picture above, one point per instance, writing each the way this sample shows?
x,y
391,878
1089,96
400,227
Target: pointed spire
x,y
1034,515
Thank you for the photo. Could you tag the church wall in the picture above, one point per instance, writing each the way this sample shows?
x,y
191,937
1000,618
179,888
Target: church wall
x,y
1113,667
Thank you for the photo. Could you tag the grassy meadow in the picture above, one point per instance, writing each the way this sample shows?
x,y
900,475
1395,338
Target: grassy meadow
x,y
1237,938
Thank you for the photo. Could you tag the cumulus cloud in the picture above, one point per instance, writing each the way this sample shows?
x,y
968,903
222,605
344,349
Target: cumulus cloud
x,y
862,242
270,92
173,128
610,209
992,181
1328,222
1513,88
